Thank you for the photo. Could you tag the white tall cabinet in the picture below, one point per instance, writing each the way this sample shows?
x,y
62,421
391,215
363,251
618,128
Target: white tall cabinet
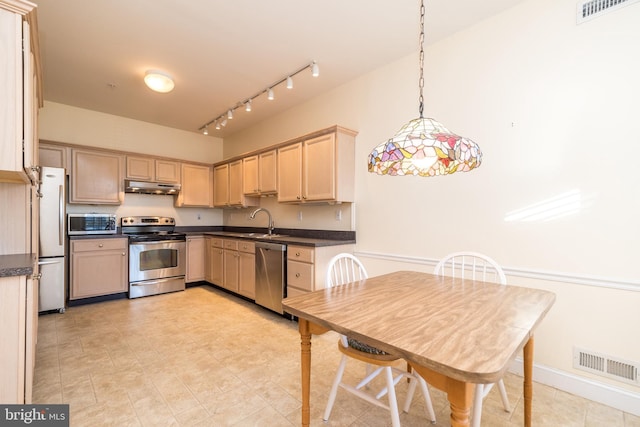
x,y
19,102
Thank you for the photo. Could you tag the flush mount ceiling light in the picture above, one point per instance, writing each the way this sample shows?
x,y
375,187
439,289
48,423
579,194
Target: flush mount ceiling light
x,y
424,147
246,103
159,81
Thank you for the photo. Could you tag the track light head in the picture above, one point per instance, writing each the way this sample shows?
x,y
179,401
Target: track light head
x,y
270,95
247,106
205,131
289,82
230,114
315,71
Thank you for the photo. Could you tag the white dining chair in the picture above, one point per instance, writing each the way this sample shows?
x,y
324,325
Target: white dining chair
x,y
345,268
475,266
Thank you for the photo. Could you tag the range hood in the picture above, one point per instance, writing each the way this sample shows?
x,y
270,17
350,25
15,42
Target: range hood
x,y
144,187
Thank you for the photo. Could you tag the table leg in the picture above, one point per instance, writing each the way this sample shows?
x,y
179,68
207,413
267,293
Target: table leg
x,y
459,393
305,364
528,381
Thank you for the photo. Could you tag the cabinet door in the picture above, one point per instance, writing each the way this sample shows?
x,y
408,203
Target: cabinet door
x,y
236,197
268,172
319,168
96,177
290,173
195,259
221,186
247,274
250,178
13,310
140,168
231,266
30,107
196,186
216,264
54,156
11,105
167,171
98,267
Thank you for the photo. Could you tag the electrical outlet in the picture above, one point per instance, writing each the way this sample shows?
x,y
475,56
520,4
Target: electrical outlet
x,y
339,215
199,217
299,215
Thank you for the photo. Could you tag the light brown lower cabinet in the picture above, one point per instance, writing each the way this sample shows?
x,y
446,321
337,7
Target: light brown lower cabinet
x,y
98,267
195,259
307,267
247,269
19,320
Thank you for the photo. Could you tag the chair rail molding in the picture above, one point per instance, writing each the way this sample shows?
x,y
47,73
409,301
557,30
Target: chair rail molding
x,y
602,282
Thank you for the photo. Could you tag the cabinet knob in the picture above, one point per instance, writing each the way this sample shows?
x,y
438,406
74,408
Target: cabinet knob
x,y
297,253
297,274
100,245
298,197
124,254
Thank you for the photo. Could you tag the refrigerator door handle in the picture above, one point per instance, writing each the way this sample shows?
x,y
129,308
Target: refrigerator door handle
x,y
60,214
47,262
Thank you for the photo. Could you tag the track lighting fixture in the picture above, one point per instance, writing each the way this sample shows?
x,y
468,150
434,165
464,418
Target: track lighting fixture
x,y
206,130
288,80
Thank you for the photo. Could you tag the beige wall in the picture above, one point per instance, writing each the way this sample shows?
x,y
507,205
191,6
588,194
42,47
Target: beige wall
x,y
63,123
552,106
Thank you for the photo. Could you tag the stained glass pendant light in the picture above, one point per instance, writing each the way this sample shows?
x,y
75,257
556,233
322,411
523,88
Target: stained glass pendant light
x,y
424,147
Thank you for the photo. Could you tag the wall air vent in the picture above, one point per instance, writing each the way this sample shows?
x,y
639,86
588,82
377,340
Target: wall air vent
x,y
589,9
606,366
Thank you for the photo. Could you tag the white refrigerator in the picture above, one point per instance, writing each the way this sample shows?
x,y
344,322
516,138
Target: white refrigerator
x,y
52,258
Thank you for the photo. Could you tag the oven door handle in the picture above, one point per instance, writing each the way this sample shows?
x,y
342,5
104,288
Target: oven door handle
x,y
157,242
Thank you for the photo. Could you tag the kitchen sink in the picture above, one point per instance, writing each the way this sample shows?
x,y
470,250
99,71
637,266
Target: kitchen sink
x,y
263,235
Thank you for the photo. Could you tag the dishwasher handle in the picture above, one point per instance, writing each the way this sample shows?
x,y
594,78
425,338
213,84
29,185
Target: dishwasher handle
x,y
272,246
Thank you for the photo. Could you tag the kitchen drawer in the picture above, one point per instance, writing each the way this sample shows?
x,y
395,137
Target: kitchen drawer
x,y
249,247
300,275
300,253
293,292
98,244
216,243
231,245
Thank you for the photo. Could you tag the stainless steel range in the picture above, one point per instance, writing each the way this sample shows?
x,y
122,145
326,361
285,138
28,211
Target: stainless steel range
x,y
157,255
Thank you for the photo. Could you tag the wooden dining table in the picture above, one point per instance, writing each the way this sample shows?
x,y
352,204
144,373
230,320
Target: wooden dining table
x,y
454,332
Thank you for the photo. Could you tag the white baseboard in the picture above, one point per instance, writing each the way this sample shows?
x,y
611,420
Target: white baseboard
x,y
606,394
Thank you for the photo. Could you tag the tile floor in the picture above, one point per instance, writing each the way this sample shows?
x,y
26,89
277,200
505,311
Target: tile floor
x,y
205,358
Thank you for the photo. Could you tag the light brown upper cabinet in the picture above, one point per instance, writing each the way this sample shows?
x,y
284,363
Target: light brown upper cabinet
x,y
318,169
97,177
196,186
150,169
227,186
53,155
19,94
260,174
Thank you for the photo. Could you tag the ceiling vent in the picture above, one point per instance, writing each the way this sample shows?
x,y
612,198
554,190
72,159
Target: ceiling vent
x,y
589,9
607,366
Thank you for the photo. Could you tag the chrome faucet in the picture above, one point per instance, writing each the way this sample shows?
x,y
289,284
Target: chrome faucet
x,y
270,226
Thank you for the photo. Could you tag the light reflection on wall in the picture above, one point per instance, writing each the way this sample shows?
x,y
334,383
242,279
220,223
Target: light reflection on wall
x,y
565,204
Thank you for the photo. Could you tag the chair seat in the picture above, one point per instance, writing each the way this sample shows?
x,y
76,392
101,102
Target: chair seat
x,y
365,348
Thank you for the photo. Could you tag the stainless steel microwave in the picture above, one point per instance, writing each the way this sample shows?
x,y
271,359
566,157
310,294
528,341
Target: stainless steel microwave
x,y
91,223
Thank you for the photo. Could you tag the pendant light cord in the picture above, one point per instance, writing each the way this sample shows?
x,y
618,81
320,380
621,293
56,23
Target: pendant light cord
x,y
421,80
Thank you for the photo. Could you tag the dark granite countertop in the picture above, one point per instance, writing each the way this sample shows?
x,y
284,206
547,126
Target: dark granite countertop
x,y
16,265
288,236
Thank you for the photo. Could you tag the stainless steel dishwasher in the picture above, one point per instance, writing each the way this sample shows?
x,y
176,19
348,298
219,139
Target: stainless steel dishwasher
x,y
271,277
